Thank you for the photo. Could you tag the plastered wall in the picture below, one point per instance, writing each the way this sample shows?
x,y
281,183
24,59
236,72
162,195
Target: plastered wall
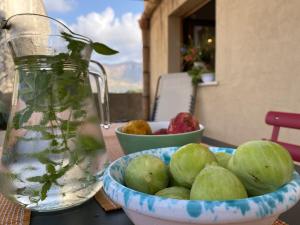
x,y
257,66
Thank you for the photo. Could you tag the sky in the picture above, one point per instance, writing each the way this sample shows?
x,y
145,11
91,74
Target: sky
x,y
112,22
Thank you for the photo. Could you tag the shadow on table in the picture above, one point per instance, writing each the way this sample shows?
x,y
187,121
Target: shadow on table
x,y
89,213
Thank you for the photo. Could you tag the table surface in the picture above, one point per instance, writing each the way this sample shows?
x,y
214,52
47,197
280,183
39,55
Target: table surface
x,y
91,212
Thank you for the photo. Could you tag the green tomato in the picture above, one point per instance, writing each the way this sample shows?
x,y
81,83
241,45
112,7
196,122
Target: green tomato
x,y
223,158
172,181
262,166
188,161
175,192
215,183
146,173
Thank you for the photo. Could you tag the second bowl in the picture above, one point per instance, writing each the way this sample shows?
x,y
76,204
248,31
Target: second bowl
x,y
133,143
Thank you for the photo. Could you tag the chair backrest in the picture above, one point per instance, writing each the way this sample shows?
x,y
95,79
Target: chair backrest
x,y
286,120
174,93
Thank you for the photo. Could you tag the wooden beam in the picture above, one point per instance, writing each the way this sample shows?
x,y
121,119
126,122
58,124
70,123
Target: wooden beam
x,y
144,22
189,7
174,44
150,6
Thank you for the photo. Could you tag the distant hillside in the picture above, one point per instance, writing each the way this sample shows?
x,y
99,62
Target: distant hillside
x,y
124,77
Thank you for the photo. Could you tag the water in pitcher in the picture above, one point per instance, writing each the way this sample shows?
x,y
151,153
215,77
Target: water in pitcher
x,y
55,152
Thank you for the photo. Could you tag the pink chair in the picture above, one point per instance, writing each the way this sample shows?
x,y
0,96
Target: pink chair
x,y
286,120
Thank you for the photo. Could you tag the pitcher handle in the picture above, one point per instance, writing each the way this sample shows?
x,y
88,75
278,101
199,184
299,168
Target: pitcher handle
x,y
101,82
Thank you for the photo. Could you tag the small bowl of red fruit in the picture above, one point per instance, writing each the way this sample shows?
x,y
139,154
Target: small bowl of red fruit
x,y
138,135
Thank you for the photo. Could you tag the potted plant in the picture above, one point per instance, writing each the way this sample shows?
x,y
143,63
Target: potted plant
x,y
200,73
208,76
197,63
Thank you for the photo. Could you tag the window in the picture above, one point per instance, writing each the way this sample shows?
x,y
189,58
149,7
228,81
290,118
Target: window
x,y
200,29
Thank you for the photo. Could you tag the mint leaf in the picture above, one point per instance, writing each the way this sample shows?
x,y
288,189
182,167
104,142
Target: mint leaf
x,y
39,179
21,117
43,159
45,189
88,145
103,49
50,169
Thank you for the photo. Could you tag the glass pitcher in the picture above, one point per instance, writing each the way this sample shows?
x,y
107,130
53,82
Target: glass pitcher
x,y
54,152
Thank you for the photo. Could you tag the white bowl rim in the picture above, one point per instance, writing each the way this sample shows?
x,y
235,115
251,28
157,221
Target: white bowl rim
x,y
178,205
117,130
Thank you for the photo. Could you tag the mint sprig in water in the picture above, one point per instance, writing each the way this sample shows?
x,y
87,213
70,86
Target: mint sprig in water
x,y
49,86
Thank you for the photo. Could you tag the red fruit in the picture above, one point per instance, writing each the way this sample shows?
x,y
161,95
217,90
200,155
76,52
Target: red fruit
x,y
183,122
161,131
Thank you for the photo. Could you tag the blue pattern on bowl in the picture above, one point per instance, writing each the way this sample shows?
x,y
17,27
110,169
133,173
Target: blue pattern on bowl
x,y
191,210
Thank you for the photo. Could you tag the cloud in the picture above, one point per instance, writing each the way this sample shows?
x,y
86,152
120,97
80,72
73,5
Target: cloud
x,y
121,33
60,5
120,86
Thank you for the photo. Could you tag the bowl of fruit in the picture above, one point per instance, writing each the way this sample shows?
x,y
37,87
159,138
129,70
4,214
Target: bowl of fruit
x,y
138,135
194,184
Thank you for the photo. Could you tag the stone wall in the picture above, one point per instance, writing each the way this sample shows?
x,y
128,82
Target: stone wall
x,y
7,9
125,107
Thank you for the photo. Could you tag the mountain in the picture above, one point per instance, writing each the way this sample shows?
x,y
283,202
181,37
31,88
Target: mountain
x,y
124,77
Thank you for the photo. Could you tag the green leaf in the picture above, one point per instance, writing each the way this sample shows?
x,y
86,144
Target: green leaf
x,y
43,159
88,145
74,158
79,113
103,49
47,135
28,191
30,168
47,117
60,172
39,179
54,143
22,117
69,126
16,120
46,187
26,116
34,199
50,169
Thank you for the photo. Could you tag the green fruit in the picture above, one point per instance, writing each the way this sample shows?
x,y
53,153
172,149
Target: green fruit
x,y
262,166
172,181
215,183
175,192
188,161
222,158
146,173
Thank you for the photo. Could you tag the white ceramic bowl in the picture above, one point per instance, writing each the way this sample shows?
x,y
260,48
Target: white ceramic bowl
x,y
144,209
135,142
